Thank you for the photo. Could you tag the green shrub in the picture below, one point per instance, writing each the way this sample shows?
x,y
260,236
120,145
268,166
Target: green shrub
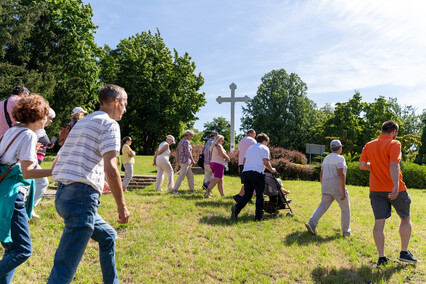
x,y
289,170
414,175
355,176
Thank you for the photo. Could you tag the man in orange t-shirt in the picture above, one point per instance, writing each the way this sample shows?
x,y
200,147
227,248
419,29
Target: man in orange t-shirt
x,y
382,157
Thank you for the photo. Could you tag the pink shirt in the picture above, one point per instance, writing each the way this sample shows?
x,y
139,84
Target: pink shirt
x,y
244,144
13,99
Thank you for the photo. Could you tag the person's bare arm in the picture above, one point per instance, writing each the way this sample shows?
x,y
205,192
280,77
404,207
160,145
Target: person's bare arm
x,y
394,169
28,171
321,176
365,166
342,180
268,165
223,153
114,182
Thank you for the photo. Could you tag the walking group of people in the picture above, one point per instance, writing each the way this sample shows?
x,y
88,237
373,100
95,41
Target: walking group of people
x,y
88,158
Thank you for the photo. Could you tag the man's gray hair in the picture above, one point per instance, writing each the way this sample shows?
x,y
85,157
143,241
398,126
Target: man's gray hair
x,y
109,92
189,132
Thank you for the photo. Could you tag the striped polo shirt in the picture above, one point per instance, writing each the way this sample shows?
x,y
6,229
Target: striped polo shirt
x,y
81,157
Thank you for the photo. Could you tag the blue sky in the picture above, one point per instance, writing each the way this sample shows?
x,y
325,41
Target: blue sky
x,y
336,47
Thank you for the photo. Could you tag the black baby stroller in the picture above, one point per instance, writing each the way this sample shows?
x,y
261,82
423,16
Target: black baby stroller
x,y
277,198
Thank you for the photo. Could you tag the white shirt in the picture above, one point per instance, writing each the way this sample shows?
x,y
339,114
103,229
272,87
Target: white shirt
x,y
244,144
81,157
330,180
23,148
166,153
254,158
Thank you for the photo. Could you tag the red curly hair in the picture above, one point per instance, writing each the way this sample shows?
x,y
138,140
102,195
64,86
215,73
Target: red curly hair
x,y
31,109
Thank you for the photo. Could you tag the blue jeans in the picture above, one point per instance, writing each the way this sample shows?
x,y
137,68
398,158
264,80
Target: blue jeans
x,y
253,181
19,250
77,204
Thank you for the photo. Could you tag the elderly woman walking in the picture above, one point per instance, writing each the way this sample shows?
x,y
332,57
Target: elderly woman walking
x,y
128,161
18,145
186,161
217,165
161,161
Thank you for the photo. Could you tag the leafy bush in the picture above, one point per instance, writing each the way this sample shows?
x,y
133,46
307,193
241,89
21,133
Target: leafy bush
x,y
414,175
289,170
291,155
355,176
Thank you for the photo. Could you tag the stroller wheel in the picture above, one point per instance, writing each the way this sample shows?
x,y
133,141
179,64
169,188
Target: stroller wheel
x,y
289,214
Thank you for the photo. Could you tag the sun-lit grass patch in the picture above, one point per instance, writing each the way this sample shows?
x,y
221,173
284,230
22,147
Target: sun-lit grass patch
x,y
190,239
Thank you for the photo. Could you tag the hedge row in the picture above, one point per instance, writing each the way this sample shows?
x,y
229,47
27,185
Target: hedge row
x,y
292,165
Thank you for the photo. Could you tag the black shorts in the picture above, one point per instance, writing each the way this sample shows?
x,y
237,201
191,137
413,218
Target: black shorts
x,y
381,204
241,167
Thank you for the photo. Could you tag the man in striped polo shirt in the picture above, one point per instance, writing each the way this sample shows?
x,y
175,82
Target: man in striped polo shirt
x,y
89,153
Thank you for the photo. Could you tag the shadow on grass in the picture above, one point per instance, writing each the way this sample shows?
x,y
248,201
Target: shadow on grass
x,y
363,274
214,203
305,238
227,221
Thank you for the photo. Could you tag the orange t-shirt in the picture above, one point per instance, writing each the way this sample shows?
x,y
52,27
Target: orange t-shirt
x,y
380,153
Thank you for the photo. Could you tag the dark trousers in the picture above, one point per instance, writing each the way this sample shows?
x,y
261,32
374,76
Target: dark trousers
x,y
253,181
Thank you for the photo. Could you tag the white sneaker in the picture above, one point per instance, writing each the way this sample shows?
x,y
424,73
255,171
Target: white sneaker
x,y
34,215
310,229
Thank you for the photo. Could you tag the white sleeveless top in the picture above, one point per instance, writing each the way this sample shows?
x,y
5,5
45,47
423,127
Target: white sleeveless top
x,y
166,153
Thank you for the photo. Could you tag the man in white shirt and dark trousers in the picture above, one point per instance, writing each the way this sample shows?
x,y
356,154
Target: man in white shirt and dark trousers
x,y
255,160
333,187
89,153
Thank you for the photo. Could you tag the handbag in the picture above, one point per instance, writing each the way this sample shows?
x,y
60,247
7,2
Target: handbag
x,y
122,168
200,162
3,176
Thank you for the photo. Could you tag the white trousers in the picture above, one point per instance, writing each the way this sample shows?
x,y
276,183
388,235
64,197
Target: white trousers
x,y
326,201
128,174
185,171
164,167
208,174
41,186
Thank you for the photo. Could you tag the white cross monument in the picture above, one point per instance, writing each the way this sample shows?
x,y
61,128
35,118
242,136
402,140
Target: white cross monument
x,y
232,100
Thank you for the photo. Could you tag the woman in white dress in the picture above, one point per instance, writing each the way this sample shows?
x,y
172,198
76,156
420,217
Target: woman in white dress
x,y
161,161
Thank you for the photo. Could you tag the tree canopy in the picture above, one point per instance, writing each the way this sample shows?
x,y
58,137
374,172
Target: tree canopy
x,y
163,91
220,125
282,110
49,47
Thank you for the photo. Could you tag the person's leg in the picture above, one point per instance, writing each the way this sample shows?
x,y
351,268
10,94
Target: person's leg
x,y
326,201
181,176
41,186
220,186
345,210
212,184
19,250
259,185
405,232
168,170
128,174
207,173
190,178
77,204
379,236
106,236
160,176
249,189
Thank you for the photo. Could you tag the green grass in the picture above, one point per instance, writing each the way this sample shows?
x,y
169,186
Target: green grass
x,y
190,239
143,165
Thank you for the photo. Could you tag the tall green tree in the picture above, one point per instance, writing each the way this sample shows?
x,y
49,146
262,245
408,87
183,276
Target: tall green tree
x,y
163,91
53,53
220,125
421,157
282,110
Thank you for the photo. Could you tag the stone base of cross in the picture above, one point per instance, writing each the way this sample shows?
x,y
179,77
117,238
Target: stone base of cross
x,y
232,100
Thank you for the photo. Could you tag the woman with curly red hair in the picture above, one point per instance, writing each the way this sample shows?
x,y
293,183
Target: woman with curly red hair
x,y
18,154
